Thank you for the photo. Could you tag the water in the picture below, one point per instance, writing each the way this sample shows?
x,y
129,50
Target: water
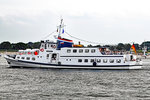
x,y
73,84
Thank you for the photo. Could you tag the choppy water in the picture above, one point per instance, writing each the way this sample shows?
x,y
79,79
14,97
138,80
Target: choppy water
x,y
70,84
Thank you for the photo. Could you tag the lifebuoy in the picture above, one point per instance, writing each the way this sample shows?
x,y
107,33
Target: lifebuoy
x,y
42,50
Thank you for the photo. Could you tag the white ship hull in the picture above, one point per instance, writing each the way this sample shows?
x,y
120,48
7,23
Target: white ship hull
x,y
26,64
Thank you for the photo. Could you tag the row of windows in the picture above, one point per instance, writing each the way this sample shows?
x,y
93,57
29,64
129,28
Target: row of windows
x,y
81,50
99,60
27,58
45,46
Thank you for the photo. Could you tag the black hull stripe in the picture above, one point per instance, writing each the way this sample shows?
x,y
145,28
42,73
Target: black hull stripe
x,y
76,65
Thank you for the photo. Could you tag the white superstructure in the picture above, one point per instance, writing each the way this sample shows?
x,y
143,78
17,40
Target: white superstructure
x,y
62,54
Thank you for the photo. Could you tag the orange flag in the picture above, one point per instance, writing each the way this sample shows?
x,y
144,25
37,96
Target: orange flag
x,y
133,47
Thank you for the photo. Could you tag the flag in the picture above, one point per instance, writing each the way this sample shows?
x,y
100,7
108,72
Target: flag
x,y
63,31
133,48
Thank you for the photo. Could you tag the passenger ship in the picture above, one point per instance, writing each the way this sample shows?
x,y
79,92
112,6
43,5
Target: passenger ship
x,y
63,54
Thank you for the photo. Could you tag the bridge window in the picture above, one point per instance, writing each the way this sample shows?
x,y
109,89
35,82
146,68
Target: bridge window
x,y
79,60
68,50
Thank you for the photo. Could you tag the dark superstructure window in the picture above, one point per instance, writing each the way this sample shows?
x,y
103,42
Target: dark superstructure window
x,y
47,55
98,60
74,50
104,60
22,57
33,58
111,60
80,50
92,60
79,60
85,60
86,50
28,58
118,61
93,51
68,50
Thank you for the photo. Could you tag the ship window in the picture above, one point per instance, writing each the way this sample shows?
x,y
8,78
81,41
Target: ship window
x,y
66,59
42,45
68,50
104,60
45,46
32,53
28,58
118,61
85,60
98,60
25,52
33,58
111,60
70,59
74,50
86,50
79,60
93,51
22,57
47,55
80,50
18,57
92,60
40,56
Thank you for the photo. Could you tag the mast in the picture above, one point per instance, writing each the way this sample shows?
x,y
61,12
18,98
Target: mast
x,y
60,27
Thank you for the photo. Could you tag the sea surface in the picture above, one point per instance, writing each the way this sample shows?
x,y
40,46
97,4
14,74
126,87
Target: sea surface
x,y
74,84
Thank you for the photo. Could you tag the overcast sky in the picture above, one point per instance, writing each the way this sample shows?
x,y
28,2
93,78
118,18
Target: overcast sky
x,y
102,21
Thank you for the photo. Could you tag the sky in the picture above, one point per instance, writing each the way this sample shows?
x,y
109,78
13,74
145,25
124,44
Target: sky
x,y
100,21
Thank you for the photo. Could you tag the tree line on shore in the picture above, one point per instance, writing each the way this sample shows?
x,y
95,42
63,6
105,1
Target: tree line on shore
x,y
6,45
